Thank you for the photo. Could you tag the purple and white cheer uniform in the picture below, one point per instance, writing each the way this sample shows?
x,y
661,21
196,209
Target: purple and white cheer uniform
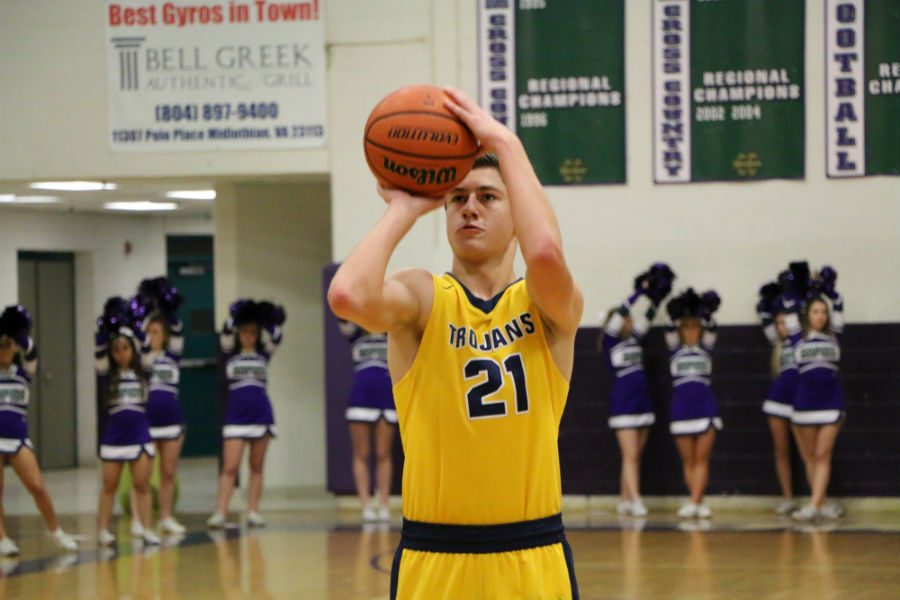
x,y
630,406
371,397
779,400
15,383
248,412
163,406
693,408
126,432
819,399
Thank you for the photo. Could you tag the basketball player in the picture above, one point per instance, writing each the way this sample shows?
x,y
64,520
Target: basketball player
x,y
481,361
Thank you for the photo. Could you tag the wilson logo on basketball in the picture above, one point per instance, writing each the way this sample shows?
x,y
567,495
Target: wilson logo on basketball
x,y
421,176
424,135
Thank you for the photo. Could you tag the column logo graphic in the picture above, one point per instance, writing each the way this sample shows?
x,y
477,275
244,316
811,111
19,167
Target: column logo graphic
x,y
127,48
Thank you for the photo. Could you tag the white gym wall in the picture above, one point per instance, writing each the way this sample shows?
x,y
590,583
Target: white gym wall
x,y
727,236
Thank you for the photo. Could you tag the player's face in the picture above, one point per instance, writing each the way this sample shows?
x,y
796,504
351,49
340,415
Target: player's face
x,y
122,352
817,316
780,326
248,334
156,333
8,349
479,221
690,331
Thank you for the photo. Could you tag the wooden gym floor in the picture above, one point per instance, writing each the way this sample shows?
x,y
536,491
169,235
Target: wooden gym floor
x,y
327,554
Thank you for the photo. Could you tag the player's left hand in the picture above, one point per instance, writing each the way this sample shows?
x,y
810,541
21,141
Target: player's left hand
x,y
488,130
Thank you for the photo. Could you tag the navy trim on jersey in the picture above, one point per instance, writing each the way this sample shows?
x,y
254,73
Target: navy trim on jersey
x,y
570,563
482,539
485,306
395,570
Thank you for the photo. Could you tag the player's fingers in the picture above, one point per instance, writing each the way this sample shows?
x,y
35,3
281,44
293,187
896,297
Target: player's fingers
x,y
455,108
460,98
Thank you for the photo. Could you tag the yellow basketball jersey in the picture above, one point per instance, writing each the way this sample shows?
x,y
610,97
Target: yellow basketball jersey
x,y
479,412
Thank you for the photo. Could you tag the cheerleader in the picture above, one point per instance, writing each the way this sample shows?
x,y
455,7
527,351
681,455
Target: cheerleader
x,y
694,414
161,359
778,405
248,340
631,410
18,366
819,406
370,413
156,303
126,432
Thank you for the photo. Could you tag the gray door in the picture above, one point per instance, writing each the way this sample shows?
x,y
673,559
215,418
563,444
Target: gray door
x,y
47,290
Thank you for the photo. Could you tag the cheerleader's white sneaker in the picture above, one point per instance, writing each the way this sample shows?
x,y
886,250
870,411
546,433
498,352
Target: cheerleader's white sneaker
x,y
806,514
832,510
384,513
688,511
786,508
8,547
703,511
137,530
216,521
370,513
171,526
638,509
150,539
254,519
64,541
105,538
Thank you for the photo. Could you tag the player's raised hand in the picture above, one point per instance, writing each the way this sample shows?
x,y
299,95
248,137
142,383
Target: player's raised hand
x,y
416,205
489,131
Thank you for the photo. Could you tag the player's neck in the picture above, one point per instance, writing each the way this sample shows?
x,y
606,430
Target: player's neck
x,y
485,279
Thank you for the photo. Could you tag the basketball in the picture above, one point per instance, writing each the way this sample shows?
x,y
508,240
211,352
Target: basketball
x,y
413,142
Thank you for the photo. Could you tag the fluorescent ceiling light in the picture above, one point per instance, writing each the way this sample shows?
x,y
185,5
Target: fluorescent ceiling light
x,y
11,199
141,206
73,186
192,194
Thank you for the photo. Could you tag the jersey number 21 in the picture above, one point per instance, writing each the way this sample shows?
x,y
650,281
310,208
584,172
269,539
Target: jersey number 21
x,y
476,405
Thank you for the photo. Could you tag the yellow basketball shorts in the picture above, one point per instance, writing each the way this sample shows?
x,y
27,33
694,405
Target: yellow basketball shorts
x,y
529,560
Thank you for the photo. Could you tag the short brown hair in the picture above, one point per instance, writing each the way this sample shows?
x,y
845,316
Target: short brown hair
x,y
488,160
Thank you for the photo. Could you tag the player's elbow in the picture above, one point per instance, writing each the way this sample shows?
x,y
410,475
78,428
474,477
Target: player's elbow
x,y
342,300
351,303
546,256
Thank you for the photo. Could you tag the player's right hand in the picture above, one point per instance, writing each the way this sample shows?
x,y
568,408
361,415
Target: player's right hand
x,y
416,205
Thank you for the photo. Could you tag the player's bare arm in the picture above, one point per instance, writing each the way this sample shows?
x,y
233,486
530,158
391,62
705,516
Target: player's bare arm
x,y
362,292
549,280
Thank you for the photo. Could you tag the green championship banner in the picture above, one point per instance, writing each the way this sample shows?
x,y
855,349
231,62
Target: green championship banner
x,y
862,100
728,78
553,71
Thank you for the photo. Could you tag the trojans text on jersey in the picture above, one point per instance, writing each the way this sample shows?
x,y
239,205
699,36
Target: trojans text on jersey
x,y
497,337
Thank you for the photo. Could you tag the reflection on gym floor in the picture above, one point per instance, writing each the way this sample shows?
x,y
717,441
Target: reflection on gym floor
x,y
325,554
